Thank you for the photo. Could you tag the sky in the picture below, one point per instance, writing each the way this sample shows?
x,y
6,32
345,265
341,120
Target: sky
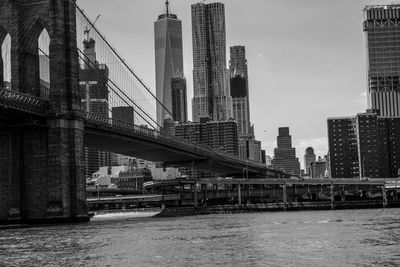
x,y
306,58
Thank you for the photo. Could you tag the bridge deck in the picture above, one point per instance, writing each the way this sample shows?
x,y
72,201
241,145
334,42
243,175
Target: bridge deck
x,y
138,141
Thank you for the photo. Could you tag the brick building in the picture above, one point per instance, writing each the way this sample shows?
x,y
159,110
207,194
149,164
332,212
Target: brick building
x,y
132,179
218,135
366,145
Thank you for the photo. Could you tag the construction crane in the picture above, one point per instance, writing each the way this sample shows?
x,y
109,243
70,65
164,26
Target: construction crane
x,y
87,30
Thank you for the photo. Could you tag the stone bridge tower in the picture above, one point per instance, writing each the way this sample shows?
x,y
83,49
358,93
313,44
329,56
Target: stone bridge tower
x,y
41,175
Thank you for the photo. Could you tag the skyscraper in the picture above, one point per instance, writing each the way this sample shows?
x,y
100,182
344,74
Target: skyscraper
x,y
249,148
309,157
285,155
210,76
240,89
179,102
93,81
168,58
382,30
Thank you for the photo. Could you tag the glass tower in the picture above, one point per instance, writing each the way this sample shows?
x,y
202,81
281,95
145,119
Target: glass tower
x,y
210,75
168,58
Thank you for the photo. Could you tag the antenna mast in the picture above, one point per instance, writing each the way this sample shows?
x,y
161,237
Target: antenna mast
x,y
167,10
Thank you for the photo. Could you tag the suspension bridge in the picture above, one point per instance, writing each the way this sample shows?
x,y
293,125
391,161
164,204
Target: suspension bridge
x,y
63,88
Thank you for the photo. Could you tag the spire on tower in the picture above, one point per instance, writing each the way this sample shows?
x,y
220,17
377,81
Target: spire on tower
x,y
167,10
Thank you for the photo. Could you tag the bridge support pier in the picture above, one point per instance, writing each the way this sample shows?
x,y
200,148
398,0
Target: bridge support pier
x,y
41,175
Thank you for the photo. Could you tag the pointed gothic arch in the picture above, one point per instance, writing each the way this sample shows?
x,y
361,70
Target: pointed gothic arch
x,y
5,62
44,63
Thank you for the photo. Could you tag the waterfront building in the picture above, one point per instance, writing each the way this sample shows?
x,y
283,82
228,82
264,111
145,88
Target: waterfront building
x,y
366,145
382,31
168,59
343,151
102,178
128,161
218,135
211,96
132,179
285,155
179,102
158,172
309,157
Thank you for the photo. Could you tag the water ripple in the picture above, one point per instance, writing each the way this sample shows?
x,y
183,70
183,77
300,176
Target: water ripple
x,y
310,238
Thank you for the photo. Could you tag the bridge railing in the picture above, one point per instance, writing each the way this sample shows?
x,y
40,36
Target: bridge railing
x,y
22,101
129,128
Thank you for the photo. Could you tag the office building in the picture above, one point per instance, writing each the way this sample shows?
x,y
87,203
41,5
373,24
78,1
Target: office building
x,y
93,81
263,156
218,135
382,31
249,148
366,145
179,102
168,59
169,126
240,89
211,96
123,113
309,157
317,168
285,155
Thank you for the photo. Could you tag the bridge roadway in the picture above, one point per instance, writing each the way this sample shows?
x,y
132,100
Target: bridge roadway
x,y
131,140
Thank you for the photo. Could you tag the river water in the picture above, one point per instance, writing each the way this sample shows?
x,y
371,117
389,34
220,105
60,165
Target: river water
x,y
307,238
